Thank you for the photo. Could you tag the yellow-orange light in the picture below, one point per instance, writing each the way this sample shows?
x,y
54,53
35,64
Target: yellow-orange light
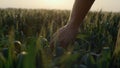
x,y
53,2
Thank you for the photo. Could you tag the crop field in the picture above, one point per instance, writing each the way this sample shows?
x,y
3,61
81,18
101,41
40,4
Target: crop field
x,y
25,36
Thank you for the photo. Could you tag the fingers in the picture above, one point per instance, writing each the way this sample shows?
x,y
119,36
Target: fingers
x,y
58,43
52,46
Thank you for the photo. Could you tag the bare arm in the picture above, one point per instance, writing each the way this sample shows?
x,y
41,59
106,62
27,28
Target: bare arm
x,y
67,34
79,11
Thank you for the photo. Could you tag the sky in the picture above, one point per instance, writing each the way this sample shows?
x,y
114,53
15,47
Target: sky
x,y
105,5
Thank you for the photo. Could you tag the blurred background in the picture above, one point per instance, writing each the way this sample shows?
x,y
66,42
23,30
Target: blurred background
x,y
105,5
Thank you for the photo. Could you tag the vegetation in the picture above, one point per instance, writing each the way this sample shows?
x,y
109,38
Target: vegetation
x,y
93,48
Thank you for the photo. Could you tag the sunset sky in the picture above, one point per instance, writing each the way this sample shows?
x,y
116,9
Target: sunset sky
x,y
105,5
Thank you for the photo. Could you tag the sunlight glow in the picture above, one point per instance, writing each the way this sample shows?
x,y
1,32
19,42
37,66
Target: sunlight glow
x,y
53,2
105,5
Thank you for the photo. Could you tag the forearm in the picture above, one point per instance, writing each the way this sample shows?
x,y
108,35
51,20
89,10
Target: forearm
x,y
79,11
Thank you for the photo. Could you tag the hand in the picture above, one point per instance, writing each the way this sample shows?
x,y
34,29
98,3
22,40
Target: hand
x,y
63,36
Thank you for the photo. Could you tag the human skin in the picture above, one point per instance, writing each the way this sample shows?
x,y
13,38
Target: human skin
x,y
66,34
